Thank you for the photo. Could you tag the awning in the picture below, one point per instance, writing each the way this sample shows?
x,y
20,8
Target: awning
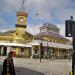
x,y
51,44
15,44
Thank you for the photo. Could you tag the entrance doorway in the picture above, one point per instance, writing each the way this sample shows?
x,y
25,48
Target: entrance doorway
x,y
42,53
5,51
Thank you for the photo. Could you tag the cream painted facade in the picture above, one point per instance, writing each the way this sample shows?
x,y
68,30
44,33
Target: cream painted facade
x,y
54,45
15,40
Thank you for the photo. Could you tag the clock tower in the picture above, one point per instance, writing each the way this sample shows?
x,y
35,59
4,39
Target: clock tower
x,y
21,23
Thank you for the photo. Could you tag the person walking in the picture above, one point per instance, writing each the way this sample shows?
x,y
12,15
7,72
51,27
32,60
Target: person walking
x,y
8,65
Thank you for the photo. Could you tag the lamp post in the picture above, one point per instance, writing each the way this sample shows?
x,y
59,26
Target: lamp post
x,y
40,51
70,32
47,43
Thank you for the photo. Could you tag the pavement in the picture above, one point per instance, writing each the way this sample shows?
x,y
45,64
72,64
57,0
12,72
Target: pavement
x,y
24,66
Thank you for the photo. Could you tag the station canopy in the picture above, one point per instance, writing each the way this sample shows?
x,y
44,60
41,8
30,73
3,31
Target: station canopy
x,y
50,44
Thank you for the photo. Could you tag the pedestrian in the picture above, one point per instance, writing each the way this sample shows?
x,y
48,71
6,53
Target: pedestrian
x,y
8,65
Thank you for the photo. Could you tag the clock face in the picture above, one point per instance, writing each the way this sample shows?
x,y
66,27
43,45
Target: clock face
x,y
21,19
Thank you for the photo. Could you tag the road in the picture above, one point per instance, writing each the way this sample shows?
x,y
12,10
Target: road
x,y
25,66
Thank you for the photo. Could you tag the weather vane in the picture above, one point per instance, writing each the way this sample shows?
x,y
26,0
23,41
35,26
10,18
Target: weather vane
x,y
23,1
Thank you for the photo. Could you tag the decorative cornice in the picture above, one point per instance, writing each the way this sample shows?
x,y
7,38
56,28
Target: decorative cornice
x,y
23,26
22,14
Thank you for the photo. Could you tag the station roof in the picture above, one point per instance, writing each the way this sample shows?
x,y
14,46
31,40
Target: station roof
x,y
7,32
50,34
22,9
49,25
11,31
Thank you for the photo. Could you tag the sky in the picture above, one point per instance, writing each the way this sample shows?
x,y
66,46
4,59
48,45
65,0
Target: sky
x,y
49,11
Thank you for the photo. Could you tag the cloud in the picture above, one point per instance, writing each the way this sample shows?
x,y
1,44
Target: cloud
x,y
48,10
62,31
52,11
4,30
2,21
33,29
8,6
37,6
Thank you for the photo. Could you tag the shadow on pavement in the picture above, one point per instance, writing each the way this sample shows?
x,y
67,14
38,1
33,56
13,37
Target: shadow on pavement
x,y
24,71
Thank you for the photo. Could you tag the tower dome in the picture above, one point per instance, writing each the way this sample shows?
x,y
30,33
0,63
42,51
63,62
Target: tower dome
x,y
22,8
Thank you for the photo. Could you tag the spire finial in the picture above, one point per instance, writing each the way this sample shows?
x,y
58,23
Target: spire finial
x,y
23,1
71,18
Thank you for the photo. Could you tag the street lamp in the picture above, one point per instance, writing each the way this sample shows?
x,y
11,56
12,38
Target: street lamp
x,y
70,32
40,51
47,44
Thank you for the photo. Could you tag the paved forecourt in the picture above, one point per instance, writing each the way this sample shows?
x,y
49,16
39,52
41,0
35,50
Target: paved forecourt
x,y
26,66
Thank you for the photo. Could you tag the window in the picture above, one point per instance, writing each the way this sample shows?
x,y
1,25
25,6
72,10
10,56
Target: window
x,y
22,50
